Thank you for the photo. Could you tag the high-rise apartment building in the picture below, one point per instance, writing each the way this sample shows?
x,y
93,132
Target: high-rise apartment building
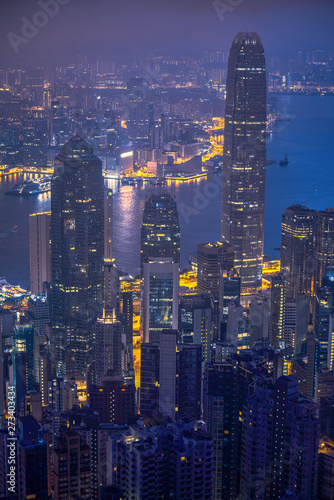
x,y
40,251
162,462
245,157
280,441
77,243
72,472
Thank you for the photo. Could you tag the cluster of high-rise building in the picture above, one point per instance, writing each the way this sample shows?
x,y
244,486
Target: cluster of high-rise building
x,y
234,398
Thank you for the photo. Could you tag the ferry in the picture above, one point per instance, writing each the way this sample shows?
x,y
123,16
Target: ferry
x,y
31,187
285,162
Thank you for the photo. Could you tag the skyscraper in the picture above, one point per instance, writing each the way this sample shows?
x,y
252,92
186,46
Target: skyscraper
x,y
277,309
40,252
324,243
160,230
298,259
245,157
77,242
160,265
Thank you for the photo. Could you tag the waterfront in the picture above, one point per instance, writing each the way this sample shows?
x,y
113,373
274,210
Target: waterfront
x,y
308,179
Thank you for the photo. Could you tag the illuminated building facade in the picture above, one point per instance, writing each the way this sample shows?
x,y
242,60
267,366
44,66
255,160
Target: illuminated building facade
x,y
324,243
77,246
244,164
160,298
298,260
160,230
160,265
277,309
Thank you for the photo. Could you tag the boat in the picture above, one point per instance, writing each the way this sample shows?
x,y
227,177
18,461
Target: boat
x,y
31,187
285,162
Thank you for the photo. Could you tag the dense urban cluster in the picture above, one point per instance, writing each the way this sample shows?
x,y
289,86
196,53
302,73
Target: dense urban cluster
x,y
224,390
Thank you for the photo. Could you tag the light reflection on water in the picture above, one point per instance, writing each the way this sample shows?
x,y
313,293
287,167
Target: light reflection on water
x,y
307,140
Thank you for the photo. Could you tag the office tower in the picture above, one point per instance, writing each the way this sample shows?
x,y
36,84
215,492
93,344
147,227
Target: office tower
x,y
167,373
230,288
34,84
160,297
196,322
210,257
236,325
277,309
111,278
160,229
171,375
108,222
324,243
162,462
40,251
324,308
296,322
107,348
259,320
77,242
189,381
298,256
244,164
280,442
224,393
71,474
112,289
160,262
149,378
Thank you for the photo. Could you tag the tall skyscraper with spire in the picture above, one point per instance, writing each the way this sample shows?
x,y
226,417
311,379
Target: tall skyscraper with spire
x,y
77,246
244,164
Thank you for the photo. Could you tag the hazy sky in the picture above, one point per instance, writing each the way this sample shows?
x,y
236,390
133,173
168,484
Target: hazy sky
x,y
107,28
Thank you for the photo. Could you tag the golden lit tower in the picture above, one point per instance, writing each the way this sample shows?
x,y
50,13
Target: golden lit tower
x,y
244,165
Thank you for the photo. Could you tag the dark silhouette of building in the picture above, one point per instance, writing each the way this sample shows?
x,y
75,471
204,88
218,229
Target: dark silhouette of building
x,y
77,246
280,442
245,157
32,460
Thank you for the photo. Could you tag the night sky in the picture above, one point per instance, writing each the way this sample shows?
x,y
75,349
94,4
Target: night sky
x,y
111,29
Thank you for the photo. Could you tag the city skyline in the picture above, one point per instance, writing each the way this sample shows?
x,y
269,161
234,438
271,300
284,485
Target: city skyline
x,y
161,349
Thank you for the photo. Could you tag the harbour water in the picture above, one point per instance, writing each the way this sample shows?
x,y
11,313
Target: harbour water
x,y
308,179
